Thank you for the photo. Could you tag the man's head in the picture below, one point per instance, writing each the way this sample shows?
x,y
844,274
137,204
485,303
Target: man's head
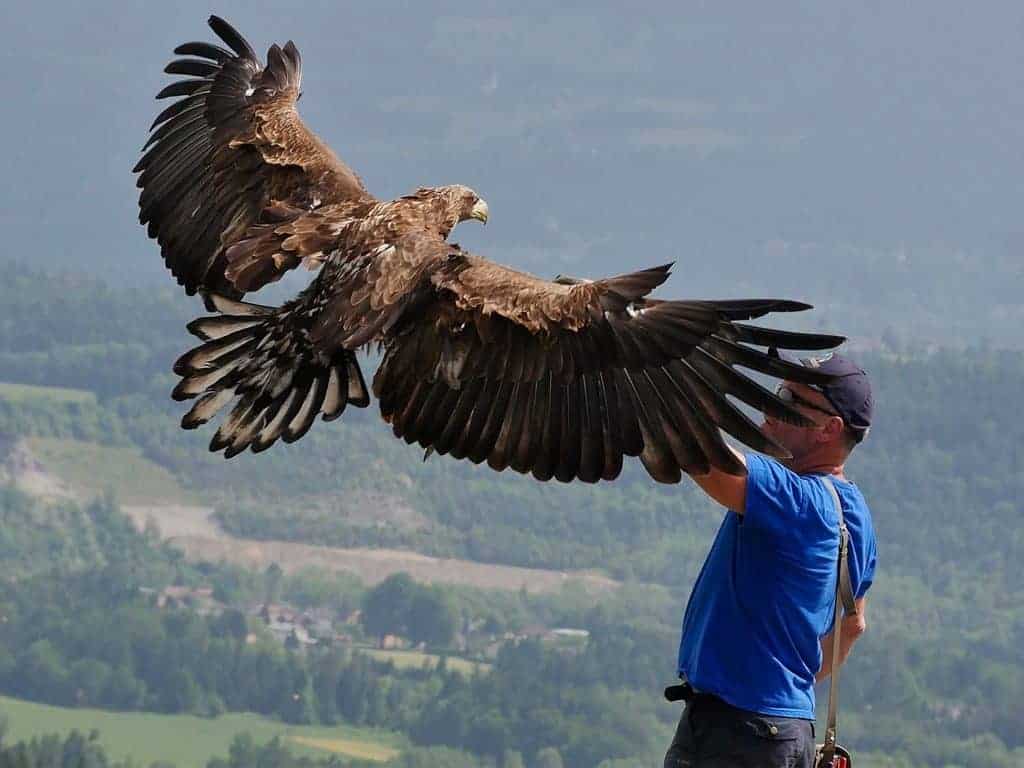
x,y
841,412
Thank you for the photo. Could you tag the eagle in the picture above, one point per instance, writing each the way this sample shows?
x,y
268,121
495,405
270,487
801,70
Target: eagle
x,y
557,378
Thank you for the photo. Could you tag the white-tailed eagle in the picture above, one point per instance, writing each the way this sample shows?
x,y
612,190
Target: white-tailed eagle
x,y
560,379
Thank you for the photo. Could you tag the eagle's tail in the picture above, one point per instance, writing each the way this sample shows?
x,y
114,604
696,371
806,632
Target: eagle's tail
x,y
261,358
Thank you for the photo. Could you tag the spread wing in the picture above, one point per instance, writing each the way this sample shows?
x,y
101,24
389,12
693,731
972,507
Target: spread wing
x,y
564,380
235,187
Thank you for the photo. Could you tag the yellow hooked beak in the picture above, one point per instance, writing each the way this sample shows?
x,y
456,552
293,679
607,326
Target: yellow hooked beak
x,y
479,211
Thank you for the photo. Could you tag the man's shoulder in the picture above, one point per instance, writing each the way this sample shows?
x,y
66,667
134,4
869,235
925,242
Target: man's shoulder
x,y
772,478
852,498
812,487
781,501
856,511
761,468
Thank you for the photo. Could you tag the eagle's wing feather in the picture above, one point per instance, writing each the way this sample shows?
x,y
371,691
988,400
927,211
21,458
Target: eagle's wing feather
x,y
564,380
538,304
235,187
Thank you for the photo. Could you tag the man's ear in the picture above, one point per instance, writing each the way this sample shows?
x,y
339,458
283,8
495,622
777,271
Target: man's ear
x,y
833,428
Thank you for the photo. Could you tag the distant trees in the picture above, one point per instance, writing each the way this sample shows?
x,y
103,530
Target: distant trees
x,y
231,623
435,757
75,750
314,587
432,618
386,607
400,606
245,753
272,578
549,757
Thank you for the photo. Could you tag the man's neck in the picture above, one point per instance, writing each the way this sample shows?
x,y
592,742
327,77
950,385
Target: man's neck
x,y
817,466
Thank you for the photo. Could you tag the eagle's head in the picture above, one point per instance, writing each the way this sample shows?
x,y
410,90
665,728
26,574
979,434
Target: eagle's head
x,y
464,203
444,207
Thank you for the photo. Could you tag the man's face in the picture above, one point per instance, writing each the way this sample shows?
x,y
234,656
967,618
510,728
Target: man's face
x,y
800,441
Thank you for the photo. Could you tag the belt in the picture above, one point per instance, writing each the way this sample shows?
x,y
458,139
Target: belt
x,y
694,698
681,692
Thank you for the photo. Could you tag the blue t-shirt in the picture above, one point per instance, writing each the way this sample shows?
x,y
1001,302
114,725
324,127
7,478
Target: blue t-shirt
x,y
766,594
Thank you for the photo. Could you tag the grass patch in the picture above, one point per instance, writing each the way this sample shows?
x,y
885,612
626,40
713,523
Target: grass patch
x,y
359,748
187,741
21,393
417,659
96,468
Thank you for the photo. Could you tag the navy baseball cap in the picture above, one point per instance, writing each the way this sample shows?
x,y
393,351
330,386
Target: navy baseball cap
x,y
850,391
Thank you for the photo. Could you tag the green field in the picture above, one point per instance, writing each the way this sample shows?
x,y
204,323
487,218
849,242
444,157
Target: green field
x,y
403,659
189,742
92,468
20,393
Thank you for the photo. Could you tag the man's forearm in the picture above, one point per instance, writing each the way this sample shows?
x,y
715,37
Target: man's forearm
x,y
728,490
850,628
846,642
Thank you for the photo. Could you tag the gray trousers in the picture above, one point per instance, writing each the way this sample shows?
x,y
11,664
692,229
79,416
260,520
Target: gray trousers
x,y
712,734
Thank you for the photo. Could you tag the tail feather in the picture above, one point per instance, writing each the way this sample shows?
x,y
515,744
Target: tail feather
x,y
200,382
358,394
311,404
260,359
206,407
216,353
282,409
217,303
336,396
219,326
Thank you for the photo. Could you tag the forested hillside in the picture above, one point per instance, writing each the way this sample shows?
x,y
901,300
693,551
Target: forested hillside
x,y
937,679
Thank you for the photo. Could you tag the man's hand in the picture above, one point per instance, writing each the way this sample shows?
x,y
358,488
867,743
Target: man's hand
x,y
850,628
728,490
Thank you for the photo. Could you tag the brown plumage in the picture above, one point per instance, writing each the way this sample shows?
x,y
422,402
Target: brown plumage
x,y
560,379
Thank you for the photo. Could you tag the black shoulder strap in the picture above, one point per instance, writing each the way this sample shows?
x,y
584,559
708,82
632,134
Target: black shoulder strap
x,y
844,597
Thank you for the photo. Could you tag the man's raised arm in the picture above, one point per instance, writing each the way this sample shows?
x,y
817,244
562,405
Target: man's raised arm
x,y
728,490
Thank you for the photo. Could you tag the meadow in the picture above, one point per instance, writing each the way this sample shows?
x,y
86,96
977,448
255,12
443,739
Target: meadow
x,y
187,741
91,469
418,659
21,393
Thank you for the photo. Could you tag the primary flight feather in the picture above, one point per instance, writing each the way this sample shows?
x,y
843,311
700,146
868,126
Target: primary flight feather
x,y
560,379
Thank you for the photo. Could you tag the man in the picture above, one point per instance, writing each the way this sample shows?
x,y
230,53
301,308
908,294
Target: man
x,y
757,629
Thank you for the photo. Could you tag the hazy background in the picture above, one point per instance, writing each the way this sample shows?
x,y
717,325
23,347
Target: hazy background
x,y
865,158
